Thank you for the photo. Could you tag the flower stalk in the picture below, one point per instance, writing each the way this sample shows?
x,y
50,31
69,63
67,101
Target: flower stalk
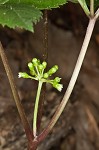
x,y
36,109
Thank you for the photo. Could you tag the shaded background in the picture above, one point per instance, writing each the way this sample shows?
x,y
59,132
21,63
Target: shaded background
x,y
77,128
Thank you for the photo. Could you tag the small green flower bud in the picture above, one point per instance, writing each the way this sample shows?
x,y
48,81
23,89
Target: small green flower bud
x,y
44,64
23,75
30,65
32,72
46,75
35,61
53,70
58,87
57,79
40,67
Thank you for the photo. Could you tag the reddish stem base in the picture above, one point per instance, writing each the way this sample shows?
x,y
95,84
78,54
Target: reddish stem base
x,y
33,145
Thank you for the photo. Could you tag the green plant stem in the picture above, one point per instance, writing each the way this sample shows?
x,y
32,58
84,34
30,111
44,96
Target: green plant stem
x,y
72,81
36,108
92,8
10,76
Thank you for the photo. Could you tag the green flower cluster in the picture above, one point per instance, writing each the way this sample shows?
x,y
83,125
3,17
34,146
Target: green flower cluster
x,y
37,73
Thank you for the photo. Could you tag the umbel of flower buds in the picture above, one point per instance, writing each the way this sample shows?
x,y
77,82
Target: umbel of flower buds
x,y
37,73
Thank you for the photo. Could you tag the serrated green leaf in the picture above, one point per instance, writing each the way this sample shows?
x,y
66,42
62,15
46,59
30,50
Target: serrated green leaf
x,y
3,1
22,13
48,4
18,15
41,4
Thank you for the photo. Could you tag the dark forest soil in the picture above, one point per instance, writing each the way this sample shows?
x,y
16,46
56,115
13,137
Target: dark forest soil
x,y
77,128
